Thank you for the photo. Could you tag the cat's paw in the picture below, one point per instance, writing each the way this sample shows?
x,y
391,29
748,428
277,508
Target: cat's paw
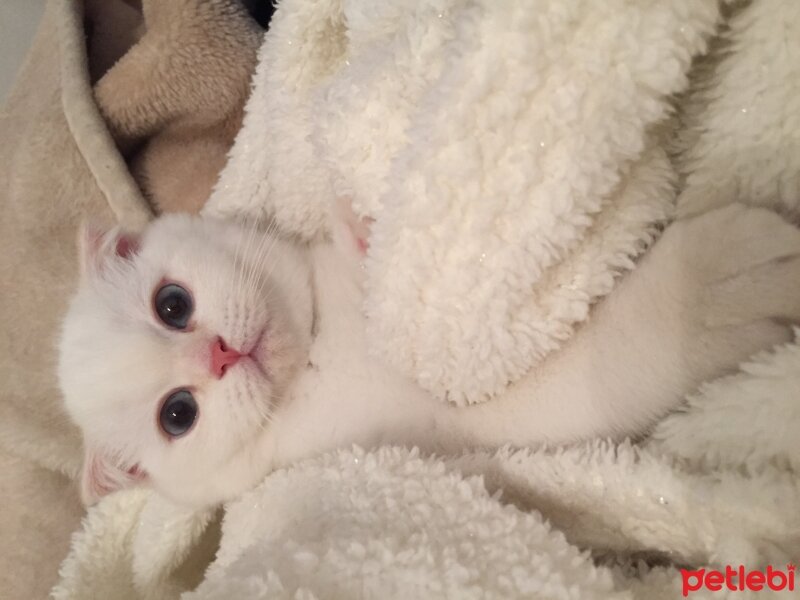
x,y
711,293
740,264
724,286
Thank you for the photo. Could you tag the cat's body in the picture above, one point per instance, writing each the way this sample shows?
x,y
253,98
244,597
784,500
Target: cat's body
x,y
655,339
704,298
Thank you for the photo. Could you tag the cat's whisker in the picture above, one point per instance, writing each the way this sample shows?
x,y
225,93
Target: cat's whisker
x,y
249,265
264,277
270,268
243,266
256,265
236,251
266,419
252,266
269,242
251,238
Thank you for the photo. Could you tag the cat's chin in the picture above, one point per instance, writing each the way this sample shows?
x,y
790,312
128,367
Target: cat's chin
x,y
241,473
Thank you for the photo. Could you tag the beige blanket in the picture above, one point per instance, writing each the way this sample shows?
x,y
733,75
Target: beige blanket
x,y
60,166
57,165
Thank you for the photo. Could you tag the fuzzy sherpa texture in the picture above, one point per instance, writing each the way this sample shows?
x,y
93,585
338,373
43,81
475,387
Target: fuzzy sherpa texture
x,y
742,118
506,151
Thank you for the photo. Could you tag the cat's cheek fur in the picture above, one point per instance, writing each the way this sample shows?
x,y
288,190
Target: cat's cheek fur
x,y
209,479
101,475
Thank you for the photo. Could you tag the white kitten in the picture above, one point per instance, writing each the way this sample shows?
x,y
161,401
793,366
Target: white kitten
x,y
703,299
174,350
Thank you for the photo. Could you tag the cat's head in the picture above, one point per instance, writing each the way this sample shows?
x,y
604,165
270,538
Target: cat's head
x,y
175,352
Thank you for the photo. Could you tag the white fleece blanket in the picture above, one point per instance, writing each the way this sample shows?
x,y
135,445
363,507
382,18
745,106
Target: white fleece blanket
x,y
506,151
418,111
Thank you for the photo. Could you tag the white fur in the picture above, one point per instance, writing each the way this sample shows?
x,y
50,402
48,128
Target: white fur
x,y
701,302
118,361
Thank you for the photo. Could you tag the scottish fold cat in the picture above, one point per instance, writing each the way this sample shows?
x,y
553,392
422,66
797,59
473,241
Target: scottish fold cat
x,y
201,355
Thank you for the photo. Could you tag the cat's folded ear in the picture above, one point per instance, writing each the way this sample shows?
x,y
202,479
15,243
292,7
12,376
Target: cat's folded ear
x,y
102,475
98,245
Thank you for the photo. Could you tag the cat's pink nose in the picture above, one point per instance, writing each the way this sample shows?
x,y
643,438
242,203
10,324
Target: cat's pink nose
x,y
222,357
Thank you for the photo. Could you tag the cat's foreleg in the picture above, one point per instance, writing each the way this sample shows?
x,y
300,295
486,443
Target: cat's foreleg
x,y
713,291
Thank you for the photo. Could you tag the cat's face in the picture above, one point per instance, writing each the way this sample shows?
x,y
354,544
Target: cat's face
x,y
175,352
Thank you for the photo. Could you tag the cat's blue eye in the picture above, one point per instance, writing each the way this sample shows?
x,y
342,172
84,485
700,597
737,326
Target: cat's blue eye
x,y
173,305
178,413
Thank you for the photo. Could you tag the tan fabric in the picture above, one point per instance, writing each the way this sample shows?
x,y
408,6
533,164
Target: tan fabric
x,y
40,512
174,101
58,164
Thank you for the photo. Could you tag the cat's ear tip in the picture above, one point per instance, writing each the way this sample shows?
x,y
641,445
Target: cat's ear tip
x,y
101,475
89,239
90,234
98,242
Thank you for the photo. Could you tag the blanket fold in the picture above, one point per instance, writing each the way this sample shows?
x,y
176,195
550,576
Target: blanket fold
x,y
507,154
57,165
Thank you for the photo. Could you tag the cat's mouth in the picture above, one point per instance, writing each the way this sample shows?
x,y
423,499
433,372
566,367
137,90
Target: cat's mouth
x,y
258,353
